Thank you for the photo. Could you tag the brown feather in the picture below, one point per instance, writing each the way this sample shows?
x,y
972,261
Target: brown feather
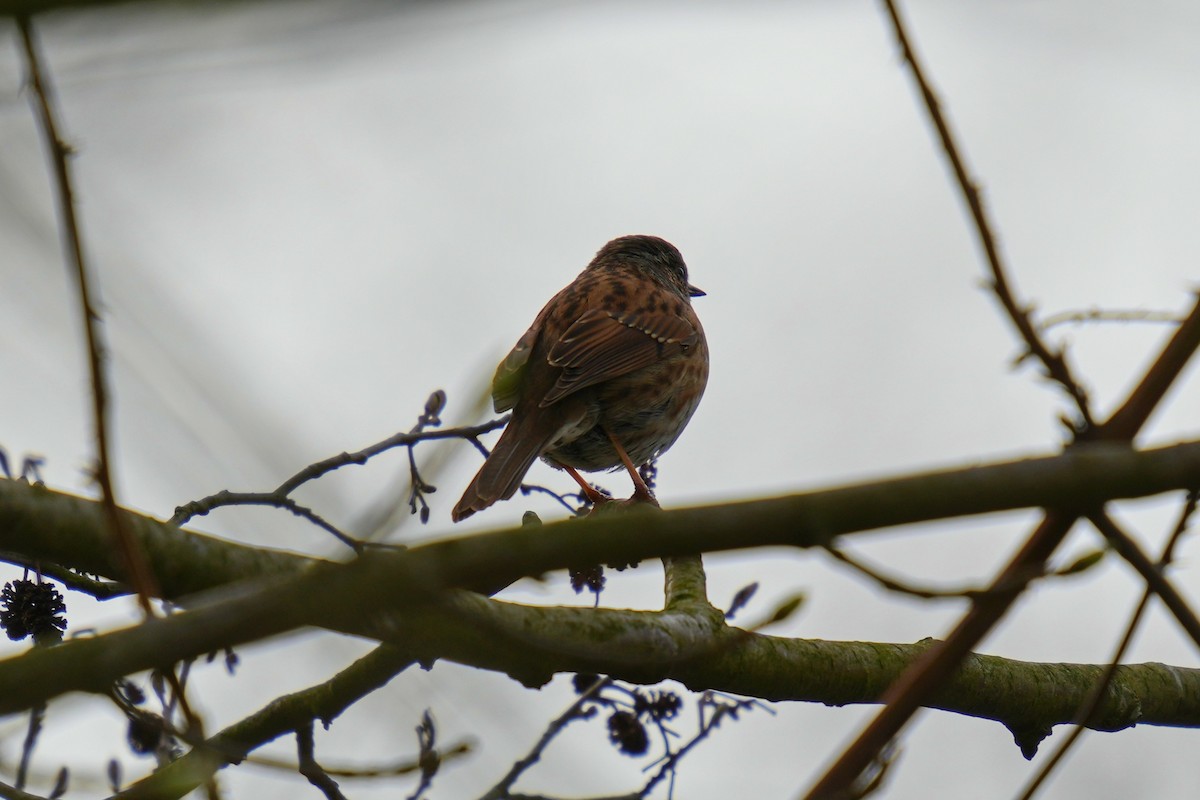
x,y
612,367
525,438
601,345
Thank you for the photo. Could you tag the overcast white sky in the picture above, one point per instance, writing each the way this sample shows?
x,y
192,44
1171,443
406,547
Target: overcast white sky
x,y
305,217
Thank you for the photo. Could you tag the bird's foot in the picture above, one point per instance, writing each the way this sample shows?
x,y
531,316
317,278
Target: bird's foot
x,y
609,505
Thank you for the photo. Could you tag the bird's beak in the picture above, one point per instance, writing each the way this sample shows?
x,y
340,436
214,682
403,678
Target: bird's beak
x,y
695,292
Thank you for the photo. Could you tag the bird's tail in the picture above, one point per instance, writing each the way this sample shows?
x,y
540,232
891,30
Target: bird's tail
x,y
502,472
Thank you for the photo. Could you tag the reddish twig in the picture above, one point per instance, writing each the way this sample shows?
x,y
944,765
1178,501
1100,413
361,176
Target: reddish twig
x,y
140,575
1088,709
928,673
1127,420
1053,361
1156,582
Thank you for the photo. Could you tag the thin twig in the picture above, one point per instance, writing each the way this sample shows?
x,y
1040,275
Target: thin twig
x,y
399,440
1054,361
530,488
1107,315
140,574
431,418
279,496
1127,420
405,766
429,759
1151,573
324,701
911,690
1088,708
99,589
575,711
37,715
225,498
928,673
896,585
141,577
722,707
309,767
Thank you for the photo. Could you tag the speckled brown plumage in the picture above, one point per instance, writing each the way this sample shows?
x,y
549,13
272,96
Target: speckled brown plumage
x,y
615,362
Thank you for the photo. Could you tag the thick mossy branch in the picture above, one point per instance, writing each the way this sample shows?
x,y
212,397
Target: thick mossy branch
x,y
408,597
39,523
530,644
686,587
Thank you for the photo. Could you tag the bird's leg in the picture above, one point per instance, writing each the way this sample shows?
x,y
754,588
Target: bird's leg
x,y
641,492
594,497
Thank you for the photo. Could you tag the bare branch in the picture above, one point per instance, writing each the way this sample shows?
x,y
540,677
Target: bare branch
x,y
279,497
1151,573
1053,361
924,678
224,499
1107,315
324,701
99,589
309,767
1127,421
575,711
398,440
895,584
1088,710
138,570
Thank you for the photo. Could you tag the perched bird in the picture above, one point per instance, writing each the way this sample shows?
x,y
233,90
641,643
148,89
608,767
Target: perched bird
x,y
607,376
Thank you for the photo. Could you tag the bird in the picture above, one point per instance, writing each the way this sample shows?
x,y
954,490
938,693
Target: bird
x,y
607,376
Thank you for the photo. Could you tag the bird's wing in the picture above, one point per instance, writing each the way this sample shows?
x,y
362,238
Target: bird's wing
x,y
506,385
603,344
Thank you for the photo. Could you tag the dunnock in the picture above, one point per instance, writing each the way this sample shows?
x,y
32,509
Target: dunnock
x,y
607,376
